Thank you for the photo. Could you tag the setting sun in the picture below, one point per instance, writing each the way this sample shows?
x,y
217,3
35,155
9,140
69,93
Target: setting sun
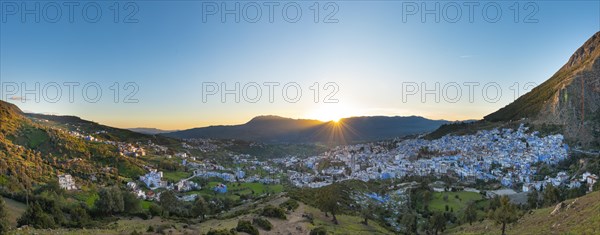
x,y
332,112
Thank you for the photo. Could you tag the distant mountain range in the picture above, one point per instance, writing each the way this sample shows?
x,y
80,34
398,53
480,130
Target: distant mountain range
x,y
275,129
150,131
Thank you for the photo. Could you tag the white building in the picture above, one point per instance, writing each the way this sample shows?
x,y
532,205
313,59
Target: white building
x,y
185,185
591,180
131,185
181,155
153,179
66,181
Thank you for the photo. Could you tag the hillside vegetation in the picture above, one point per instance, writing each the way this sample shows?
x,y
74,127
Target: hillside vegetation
x,y
301,220
575,216
33,153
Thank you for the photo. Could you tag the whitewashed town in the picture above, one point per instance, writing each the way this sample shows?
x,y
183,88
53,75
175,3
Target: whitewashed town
x,y
506,155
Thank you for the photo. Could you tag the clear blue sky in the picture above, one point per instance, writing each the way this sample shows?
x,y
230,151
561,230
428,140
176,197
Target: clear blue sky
x,y
370,53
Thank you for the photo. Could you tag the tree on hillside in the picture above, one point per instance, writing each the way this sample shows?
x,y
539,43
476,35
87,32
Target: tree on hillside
x,y
328,200
215,205
131,204
155,210
437,222
169,201
4,226
53,208
551,195
366,210
228,203
110,201
470,213
409,220
79,215
36,217
494,203
427,196
575,192
506,213
533,199
200,208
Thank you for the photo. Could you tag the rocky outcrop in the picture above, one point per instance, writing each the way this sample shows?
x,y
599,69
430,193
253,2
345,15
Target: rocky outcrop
x,y
570,98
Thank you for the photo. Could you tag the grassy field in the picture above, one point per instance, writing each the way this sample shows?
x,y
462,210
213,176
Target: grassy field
x,y
15,210
579,216
456,203
146,204
347,224
87,197
256,189
176,176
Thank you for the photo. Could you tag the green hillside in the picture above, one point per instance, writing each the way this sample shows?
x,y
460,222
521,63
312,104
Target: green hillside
x,y
32,153
577,216
73,123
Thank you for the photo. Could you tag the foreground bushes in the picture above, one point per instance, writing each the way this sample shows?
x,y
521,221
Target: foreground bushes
x,y
263,223
318,231
246,226
290,205
51,211
221,232
273,212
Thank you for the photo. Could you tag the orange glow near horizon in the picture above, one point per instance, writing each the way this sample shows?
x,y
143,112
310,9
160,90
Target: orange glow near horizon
x,y
332,112
194,123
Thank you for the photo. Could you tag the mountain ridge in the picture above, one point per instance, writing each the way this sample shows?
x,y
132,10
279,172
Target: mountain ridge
x,y
277,129
568,102
149,130
583,59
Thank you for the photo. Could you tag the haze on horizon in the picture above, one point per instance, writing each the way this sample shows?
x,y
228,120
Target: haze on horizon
x,y
370,56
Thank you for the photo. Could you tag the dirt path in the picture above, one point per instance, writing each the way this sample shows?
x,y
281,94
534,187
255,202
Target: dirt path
x,y
295,224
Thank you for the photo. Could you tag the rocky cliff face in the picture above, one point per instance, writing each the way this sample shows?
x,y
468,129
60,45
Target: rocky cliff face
x,y
570,98
575,106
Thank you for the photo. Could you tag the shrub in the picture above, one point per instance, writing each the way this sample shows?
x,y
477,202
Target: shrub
x,y
273,212
290,205
263,223
155,210
309,217
246,226
135,232
161,228
131,204
79,216
143,215
36,217
318,231
4,226
110,201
